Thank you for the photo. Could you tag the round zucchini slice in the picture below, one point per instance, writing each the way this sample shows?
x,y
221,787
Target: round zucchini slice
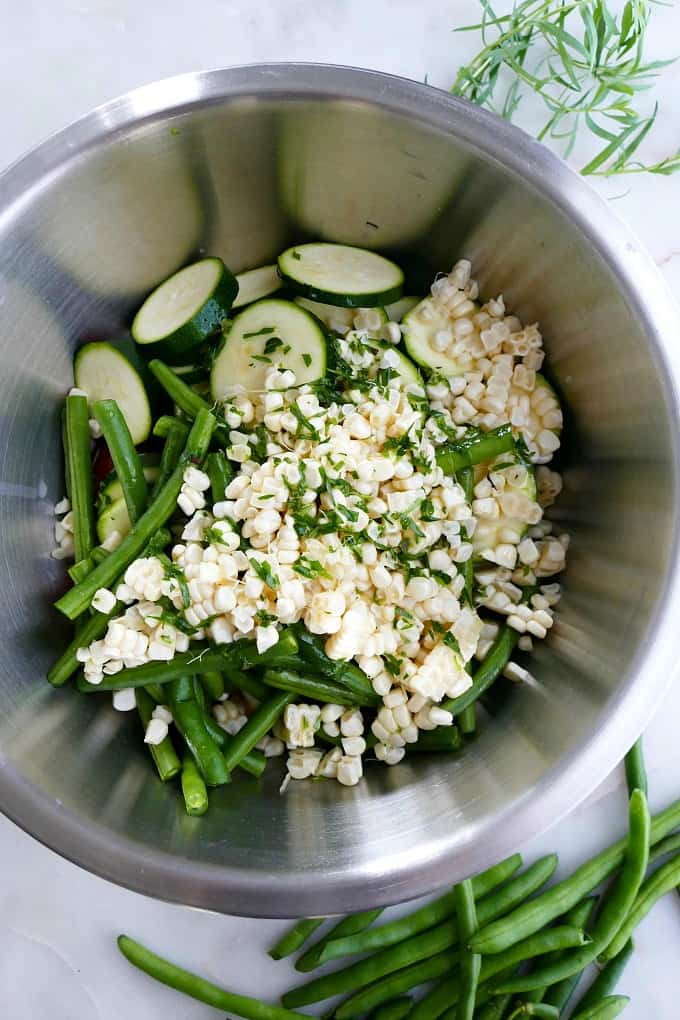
x,y
347,318
114,518
266,334
103,372
255,284
419,331
185,310
339,274
487,534
398,309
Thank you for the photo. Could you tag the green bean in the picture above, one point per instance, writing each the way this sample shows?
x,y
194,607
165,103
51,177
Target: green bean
x,y
669,845
182,395
397,1009
469,963
220,473
347,674
295,937
77,571
486,672
566,894
175,433
444,738
259,724
213,684
467,720
76,601
419,947
608,978
493,1010
156,692
457,456
559,994
420,920
126,462
350,925
189,721
199,658
662,881
539,1009
441,965
392,985
617,905
164,755
197,987
244,680
316,688
636,775
254,762
466,479
194,789
79,474
67,663
199,694
605,1009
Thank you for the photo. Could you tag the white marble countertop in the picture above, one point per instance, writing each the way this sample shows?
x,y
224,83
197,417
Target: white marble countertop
x,y
57,923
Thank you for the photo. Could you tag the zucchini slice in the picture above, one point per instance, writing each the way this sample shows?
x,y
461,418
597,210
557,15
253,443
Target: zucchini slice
x,y
111,489
103,372
269,333
333,317
255,284
185,310
338,274
114,518
419,330
398,309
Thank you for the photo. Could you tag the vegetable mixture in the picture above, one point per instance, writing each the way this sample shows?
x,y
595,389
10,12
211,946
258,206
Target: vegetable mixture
x,y
322,532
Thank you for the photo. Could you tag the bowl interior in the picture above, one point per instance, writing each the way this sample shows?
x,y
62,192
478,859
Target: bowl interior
x,y
239,164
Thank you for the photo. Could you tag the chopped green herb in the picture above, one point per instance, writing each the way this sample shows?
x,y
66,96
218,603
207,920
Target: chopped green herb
x,y
392,664
307,358
263,619
265,331
305,429
264,572
272,343
310,568
263,358
297,255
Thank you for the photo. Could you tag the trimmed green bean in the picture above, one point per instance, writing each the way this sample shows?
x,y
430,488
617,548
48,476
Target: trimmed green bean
x,y
493,1010
189,721
126,462
559,994
76,433
199,694
605,1009
563,895
347,674
469,963
607,980
669,845
539,1009
198,659
156,692
194,790
467,720
164,754
617,905
198,988
175,433
420,920
350,925
441,965
67,663
454,458
244,680
77,571
76,601
295,937
182,395
486,672
213,684
636,774
260,722
662,881
254,762
316,688
394,958
444,738
220,473
397,1009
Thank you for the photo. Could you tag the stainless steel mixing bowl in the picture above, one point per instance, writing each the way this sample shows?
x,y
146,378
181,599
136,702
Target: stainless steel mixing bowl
x,y
239,163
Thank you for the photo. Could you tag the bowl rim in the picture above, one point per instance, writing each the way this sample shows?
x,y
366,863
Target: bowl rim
x,y
388,879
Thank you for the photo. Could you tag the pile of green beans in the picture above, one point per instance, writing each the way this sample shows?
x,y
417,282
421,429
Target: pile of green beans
x,y
439,941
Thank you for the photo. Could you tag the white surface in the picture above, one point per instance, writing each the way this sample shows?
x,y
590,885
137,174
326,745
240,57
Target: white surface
x,y
57,923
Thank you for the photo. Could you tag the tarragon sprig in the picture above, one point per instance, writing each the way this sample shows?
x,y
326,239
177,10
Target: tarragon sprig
x,y
584,64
